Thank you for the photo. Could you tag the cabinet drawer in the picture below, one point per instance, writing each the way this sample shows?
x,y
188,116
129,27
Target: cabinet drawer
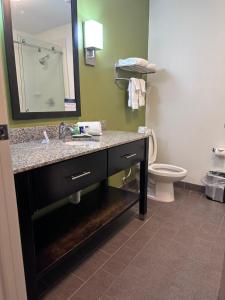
x,y
124,156
54,182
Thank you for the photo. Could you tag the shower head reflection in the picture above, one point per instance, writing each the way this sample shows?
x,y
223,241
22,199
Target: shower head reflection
x,y
44,59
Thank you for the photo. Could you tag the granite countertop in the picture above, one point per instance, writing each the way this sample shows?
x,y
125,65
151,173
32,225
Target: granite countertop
x,y
33,154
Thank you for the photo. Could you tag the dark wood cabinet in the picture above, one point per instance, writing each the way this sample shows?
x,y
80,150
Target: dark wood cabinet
x,y
51,183
125,156
49,240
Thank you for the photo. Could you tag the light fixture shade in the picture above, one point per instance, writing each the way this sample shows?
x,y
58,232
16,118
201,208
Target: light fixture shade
x,y
93,35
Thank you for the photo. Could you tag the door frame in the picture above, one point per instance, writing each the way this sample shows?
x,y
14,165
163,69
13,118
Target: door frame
x,y
12,279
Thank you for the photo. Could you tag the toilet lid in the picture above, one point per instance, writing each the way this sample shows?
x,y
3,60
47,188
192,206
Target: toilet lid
x,y
152,147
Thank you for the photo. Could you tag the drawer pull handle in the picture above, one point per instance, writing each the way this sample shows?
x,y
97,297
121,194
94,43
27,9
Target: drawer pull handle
x,y
81,175
130,156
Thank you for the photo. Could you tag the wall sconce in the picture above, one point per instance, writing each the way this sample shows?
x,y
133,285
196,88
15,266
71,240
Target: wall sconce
x,y
93,41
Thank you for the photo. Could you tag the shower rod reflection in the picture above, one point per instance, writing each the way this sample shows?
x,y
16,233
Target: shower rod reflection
x,y
24,43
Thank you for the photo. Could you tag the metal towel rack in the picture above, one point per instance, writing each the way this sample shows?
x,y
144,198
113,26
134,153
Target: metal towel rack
x,y
132,68
121,78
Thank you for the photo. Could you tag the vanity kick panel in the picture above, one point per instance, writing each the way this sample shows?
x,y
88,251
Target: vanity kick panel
x,y
125,156
54,182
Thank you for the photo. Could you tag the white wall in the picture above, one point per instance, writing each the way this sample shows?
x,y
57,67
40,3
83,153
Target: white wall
x,y
186,106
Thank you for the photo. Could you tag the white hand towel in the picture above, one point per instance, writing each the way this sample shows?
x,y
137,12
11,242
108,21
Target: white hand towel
x,y
142,92
133,93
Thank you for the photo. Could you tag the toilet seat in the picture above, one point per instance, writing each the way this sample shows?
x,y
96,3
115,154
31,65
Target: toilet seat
x,y
167,170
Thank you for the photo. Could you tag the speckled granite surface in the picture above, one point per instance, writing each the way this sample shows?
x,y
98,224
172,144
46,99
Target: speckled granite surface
x,y
31,155
26,134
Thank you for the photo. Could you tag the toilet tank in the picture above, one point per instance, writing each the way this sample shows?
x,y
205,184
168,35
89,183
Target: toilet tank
x,y
152,154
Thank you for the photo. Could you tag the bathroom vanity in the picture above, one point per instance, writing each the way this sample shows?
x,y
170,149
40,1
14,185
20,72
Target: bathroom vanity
x,y
45,174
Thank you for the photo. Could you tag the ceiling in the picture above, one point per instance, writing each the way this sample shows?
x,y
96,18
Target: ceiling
x,y
36,16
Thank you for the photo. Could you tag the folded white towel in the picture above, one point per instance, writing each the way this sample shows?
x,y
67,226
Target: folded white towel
x,y
133,93
132,61
151,67
139,64
142,92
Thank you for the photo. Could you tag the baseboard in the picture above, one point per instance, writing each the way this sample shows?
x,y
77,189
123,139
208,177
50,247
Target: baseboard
x,y
133,185
190,186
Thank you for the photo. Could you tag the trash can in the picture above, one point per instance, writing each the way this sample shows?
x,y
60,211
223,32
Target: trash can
x,y
214,182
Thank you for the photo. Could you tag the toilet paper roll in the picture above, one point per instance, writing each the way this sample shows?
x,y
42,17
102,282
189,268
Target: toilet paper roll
x,y
220,152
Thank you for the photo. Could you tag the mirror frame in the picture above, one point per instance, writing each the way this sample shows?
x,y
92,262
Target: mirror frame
x,y
11,67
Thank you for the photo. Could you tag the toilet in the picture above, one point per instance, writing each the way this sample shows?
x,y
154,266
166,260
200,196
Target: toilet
x,y
162,175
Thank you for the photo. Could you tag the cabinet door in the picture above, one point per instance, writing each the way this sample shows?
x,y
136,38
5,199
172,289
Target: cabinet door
x,y
124,156
54,182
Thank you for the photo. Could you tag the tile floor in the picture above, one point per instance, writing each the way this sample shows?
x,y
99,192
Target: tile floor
x,y
177,253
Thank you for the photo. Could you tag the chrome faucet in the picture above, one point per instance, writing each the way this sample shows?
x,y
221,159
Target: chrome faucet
x,y
64,129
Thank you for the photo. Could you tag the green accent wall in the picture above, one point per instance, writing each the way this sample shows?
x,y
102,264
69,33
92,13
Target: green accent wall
x,y
125,24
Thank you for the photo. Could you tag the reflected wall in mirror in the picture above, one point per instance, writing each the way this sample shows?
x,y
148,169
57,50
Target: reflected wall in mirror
x,y
42,57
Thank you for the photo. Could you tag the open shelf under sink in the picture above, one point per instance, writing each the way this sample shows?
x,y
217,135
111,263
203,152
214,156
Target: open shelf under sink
x,y
63,231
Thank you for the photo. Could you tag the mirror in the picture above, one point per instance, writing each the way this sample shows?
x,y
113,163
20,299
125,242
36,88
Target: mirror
x,y
42,57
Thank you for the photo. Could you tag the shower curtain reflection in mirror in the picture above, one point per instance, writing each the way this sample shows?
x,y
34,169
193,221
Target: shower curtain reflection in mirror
x,y
43,75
